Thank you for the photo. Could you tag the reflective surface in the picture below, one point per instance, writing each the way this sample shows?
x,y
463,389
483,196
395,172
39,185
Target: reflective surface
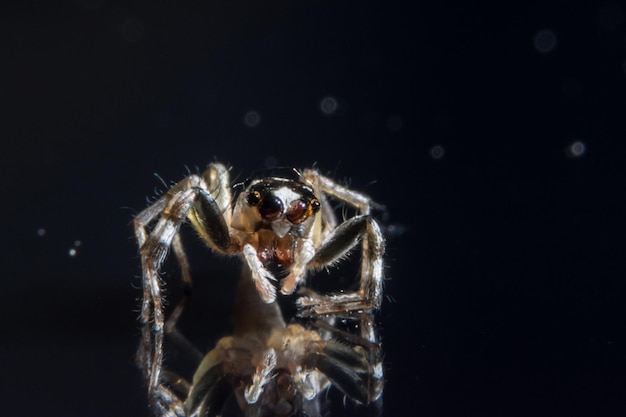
x,y
493,136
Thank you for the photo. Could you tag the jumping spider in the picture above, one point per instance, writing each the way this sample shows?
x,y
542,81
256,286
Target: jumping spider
x,y
272,368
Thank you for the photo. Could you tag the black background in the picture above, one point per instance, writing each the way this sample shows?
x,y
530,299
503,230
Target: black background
x,y
506,289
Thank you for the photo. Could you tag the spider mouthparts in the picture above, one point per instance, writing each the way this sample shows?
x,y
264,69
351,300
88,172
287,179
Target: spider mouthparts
x,y
281,227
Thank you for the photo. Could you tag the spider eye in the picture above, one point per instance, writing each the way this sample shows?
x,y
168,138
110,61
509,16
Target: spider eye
x,y
297,211
271,207
254,198
314,205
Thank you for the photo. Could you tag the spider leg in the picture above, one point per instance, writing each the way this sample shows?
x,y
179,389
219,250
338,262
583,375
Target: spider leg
x,y
351,361
140,223
171,331
336,245
192,199
261,376
305,250
330,187
328,214
223,371
260,275
176,382
167,403
359,305
340,368
210,213
376,371
153,252
209,393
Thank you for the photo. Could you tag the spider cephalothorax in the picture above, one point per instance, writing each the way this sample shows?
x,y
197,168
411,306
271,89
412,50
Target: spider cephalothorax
x,y
278,220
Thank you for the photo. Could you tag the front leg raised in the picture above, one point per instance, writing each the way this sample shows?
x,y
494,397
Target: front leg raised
x,y
336,246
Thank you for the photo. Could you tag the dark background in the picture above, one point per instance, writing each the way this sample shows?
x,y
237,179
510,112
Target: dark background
x,y
492,133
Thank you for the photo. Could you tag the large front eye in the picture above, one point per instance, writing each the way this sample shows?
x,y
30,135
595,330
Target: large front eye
x,y
299,210
271,207
296,211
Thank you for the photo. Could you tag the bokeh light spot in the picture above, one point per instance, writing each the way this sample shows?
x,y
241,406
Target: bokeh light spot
x,y
252,118
437,152
545,41
576,149
329,105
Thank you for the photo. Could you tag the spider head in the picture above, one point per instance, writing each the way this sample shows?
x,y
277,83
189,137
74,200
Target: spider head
x,y
277,203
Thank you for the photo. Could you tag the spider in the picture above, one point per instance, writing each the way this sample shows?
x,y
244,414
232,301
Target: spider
x,y
283,221
269,368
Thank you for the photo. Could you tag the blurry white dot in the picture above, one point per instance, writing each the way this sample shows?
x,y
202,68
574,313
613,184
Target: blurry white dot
x,y
395,230
394,123
252,118
576,149
328,105
72,252
545,41
436,152
77,243
41,232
